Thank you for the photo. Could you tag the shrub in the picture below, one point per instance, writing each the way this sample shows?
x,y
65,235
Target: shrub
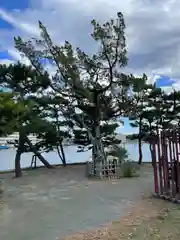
x,y
127,169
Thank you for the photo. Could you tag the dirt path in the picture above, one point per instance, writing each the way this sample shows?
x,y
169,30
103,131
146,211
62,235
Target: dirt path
x,y
148,219
48,204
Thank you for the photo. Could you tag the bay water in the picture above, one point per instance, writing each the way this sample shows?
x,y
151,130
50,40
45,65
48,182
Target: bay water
x,y
72,156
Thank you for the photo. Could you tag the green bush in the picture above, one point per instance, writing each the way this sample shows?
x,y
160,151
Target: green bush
x,y
127,169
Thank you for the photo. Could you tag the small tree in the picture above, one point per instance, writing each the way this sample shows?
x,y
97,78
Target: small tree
x,y
141,101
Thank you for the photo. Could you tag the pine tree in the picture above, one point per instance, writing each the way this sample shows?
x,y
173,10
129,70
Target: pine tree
x,y
59,132
141,93
95,88
161,113
22,81
11,113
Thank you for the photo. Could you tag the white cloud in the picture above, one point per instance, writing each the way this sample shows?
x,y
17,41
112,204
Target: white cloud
x,y
24,26
17,56
6,61
153,36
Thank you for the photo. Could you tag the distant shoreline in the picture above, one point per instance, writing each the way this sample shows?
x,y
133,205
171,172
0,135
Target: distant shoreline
x,y
7,156
55,165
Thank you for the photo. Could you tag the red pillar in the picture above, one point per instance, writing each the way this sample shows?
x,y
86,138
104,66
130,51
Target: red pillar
x,y
154,163
159,162
171,155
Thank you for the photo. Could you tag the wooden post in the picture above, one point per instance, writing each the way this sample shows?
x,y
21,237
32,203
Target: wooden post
x,y
154,163
177,159
171,164
159,162
164,160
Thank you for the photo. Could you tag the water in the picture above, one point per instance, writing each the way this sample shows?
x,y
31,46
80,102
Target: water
x,y
133,152
7,156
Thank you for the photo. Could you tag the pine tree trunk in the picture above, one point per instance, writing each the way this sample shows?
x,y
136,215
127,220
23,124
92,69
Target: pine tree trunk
x,y
140,142
151,152
62,154
94,159
19,151
93,155
140,150
150,145
99,155
97,142
99,148
37,153
18,172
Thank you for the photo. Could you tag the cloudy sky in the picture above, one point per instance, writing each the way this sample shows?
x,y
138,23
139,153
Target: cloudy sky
x,y
153,31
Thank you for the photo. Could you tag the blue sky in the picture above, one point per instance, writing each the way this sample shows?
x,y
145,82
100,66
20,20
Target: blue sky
x,y
11,5
155,54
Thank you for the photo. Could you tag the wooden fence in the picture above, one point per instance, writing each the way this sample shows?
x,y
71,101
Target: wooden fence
x,y
107,171
165,151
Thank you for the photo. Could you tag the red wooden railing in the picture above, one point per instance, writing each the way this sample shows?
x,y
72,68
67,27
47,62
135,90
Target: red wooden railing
x,y
165,151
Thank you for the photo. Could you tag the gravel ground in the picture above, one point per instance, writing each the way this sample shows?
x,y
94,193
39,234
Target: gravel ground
x,y
50,204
